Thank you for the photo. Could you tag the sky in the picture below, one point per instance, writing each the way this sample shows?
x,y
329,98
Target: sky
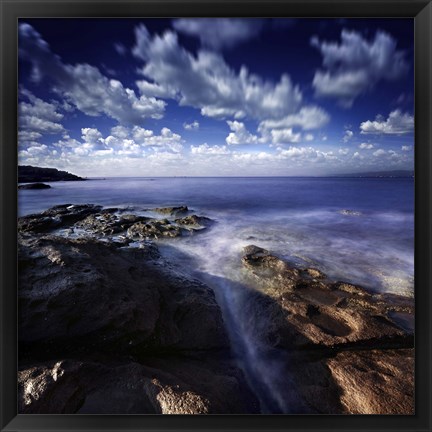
x,y
216,96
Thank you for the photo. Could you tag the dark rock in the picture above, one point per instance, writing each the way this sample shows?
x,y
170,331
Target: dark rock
x,y
95,295
34,186
194,221
172,211
153,228
60,216
108,223
149,340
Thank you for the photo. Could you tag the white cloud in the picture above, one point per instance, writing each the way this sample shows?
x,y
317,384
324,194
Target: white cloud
x,y
283,136
379,152
309,117
366,146
220,33
347,136
397,123
152,89
122,141
306,154
205,149
240,135
343,151
120,132
355,65
36,150
91,136
406,148
25,136
206,82
37,117
85,86
309,137
191,126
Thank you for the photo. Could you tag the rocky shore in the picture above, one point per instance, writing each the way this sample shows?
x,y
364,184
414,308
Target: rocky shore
x,y
109,325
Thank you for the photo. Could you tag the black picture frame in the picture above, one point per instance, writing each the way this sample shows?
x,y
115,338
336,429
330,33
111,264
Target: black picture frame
x,y
11,10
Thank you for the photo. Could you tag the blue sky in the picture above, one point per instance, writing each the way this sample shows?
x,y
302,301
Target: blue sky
x,y
211,97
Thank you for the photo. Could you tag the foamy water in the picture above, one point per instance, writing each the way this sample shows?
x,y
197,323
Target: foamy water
x,y
304,220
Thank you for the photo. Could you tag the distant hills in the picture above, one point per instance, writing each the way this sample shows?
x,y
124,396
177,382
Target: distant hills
x,y
31,174
395,173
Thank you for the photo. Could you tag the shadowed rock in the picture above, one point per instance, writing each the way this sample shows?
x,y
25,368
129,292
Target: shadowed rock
x,y
56,217
34,186
162,386
146,336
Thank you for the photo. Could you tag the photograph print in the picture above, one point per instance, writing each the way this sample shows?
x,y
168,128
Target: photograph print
x,y
215,216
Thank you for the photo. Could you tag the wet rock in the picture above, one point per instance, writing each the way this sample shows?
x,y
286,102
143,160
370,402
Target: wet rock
x,y
109,223
354,337
269,268
172,211
194,222
154,228
34,186
60,216
323,312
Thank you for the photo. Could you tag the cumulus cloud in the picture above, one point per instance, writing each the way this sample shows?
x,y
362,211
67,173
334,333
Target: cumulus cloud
x,y
122,141
283,136
35,150
26,136
205,149
366,146
220,33
406,148
206,82
355,65
191,126
240,135
397,123
308,117
379,152
83,85
37,117
307,154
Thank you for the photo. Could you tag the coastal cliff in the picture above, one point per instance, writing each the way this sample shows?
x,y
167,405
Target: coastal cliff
x,y
31,174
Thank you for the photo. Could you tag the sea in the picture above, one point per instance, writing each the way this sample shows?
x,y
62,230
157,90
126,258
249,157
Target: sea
x,y
358,230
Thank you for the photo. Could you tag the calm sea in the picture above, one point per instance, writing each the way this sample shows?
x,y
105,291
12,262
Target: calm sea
x,y
304,220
